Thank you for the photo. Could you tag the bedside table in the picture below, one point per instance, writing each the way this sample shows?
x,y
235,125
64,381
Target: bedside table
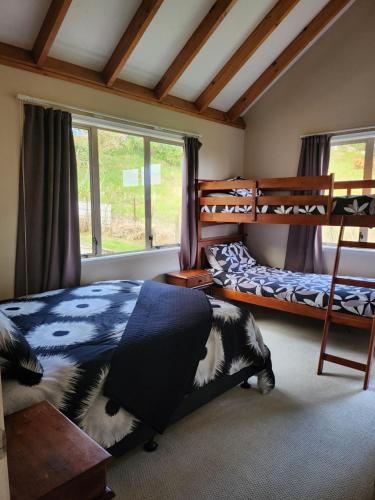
x,y
49,457
192,278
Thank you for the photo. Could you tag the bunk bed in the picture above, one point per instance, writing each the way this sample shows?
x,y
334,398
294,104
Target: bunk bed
x,y
316,200
290,200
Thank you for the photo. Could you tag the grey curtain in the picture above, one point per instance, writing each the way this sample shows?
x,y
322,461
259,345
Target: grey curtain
x,y
304,248
48,248
188,249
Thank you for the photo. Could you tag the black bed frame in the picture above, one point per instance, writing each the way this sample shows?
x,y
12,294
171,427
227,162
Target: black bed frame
x,y
146,436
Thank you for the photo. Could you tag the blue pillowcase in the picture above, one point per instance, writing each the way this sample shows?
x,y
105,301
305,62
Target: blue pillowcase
x,y
230,257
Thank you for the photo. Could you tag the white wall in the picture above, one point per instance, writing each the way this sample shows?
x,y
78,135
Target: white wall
x,y
331,87
221,156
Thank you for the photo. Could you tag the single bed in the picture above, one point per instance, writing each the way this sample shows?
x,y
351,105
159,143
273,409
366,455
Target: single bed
x,y
298,288
239,277
75,334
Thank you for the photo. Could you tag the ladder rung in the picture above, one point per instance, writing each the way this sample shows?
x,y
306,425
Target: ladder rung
x,y
344,362
356,244
338,280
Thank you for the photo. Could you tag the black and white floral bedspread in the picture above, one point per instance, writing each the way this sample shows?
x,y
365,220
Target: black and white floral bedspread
x,y
74,333
342,205
301,288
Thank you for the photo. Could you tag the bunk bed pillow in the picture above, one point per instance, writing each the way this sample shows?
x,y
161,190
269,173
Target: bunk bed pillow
x,y
242,191
230,257
17,359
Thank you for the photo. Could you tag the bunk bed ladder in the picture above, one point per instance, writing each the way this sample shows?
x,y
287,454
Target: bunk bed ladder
x,y
339,280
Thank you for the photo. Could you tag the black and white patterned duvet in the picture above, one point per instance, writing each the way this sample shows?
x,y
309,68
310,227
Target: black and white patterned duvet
x,y
74,333
301,288
342,205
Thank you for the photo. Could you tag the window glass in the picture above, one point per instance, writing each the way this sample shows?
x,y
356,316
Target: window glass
x,y
347,162
122,206
331,234
166,193
371,230
81,143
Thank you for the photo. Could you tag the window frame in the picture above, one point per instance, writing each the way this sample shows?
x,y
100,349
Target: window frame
x,y
93,144
368,167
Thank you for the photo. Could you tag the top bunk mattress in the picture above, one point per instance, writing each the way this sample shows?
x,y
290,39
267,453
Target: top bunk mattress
x,y
342,205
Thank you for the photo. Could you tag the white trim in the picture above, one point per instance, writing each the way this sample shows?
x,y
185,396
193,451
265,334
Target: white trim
x,y
144,128
331,247
119,126
349,131
352,137
131,255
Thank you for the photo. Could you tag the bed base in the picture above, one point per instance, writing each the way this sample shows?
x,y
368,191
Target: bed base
x,y
270,302
144,435
293,308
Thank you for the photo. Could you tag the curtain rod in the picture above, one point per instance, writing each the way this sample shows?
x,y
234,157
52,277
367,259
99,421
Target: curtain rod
x,y
95,114
343,132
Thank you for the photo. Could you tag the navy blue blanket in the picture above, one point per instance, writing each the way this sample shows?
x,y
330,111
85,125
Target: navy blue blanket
x,y
155,363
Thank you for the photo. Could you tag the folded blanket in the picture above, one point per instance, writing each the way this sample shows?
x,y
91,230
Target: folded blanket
x,y
156,360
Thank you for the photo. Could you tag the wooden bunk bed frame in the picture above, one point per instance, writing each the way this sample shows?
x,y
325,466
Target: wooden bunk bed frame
x,y
277,192
290,184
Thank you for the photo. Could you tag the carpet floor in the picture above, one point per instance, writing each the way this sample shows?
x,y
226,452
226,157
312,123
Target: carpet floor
x,y
312,438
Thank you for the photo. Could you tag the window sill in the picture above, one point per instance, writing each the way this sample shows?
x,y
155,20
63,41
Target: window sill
x,y
131,255
329,247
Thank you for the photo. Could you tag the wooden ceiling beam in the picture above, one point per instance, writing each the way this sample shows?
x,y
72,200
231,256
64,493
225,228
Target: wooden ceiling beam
x,y
133,33
208,25
264,29
50,27
294,49
23,59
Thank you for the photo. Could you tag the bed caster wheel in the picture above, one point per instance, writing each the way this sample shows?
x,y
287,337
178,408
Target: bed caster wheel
x,y
245,385
150,445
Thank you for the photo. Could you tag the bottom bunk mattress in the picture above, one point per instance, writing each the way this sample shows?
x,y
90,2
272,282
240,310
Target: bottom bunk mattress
x,y
300,288
75,334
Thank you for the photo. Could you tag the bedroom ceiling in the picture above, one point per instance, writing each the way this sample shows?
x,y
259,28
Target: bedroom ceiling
x,y
86,32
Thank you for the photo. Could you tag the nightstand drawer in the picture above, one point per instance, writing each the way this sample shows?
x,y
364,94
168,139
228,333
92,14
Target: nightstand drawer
x,y
192,278
199,281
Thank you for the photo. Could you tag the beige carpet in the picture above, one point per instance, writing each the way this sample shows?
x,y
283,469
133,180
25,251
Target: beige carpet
x,y
312,438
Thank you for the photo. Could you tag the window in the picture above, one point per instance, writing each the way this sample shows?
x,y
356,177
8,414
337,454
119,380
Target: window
x,y
129,188
352,158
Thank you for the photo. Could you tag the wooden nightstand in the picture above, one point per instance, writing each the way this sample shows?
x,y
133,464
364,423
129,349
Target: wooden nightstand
x,y
49,457
192,278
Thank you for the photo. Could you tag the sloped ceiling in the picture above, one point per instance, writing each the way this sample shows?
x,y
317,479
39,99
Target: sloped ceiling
x,y
91,30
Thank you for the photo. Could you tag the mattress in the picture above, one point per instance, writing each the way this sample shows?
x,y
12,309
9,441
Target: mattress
x,y
74,333
341,205
301,288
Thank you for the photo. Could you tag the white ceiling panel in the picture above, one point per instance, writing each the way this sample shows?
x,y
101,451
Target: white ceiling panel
x,y
296,20
91,31
20,21
235,28
168,32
